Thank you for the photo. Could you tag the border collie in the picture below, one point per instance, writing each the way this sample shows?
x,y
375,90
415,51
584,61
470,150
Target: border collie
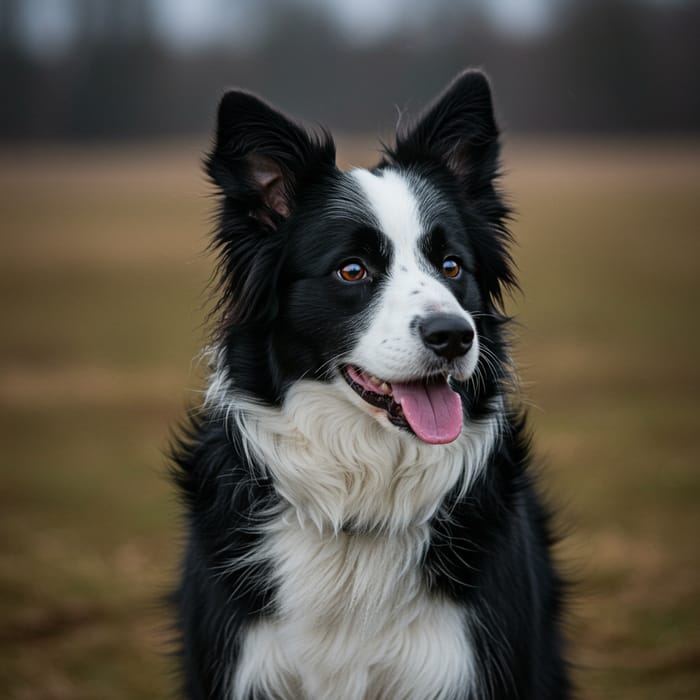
x,y
362,520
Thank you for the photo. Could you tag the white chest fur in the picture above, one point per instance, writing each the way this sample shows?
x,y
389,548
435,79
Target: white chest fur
x,y
353,619
354,622
336,464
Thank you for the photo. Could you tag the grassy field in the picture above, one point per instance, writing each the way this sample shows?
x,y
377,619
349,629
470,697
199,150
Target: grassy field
x,y
101,278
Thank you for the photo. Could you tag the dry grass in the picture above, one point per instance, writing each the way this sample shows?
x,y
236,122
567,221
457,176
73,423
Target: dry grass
x,y
101,279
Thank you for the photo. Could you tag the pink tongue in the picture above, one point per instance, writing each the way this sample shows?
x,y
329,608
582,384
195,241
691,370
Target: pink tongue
x,y
433,410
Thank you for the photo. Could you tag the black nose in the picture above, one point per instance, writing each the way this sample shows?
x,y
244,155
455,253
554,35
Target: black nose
x,y
447,335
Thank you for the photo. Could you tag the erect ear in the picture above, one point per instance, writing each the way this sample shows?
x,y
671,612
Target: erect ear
x,y
260,161
260,157
459,129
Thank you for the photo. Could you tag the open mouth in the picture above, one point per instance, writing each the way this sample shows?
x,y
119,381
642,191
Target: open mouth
x,y
428,407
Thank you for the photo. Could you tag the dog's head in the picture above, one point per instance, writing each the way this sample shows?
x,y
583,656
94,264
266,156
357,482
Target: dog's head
x,y
384,283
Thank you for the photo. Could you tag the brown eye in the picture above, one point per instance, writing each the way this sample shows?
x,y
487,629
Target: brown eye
x,y
451,268
352,272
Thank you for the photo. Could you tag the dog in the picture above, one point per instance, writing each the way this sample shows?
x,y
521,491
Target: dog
x,y
362,518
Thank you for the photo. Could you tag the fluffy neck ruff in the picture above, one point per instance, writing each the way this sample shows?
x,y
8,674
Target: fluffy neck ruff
x,y
339,468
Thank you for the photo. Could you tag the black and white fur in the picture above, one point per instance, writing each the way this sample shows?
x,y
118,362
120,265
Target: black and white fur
x,y
332,554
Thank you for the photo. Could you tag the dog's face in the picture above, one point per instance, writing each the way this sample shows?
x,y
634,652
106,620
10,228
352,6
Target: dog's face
x,y
383,283
378,291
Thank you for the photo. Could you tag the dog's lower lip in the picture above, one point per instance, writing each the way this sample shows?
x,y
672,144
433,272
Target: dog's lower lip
x,y
366,381
382,398
358,380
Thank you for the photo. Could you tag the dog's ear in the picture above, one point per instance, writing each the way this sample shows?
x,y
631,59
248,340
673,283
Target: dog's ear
x,y
459,129
260,162
260,157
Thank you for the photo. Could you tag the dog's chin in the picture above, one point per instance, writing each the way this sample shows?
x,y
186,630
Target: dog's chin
x,y
427,408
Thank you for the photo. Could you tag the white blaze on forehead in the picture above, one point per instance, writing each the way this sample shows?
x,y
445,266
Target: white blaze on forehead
x,y
394,206
391,347
412,280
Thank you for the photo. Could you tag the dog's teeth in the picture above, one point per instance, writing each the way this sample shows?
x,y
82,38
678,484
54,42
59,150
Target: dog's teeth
x,y
375,381
384,387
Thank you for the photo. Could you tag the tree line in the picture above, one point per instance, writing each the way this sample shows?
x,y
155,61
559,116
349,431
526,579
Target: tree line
x,y
603,66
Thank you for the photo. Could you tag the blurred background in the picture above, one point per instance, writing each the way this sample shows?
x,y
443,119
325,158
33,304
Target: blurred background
x,y
107,107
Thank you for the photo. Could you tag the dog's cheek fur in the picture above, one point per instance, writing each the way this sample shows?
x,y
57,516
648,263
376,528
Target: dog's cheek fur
x,y
319,320
319,316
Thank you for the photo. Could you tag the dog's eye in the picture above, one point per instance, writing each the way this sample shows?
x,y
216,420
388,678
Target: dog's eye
x,y
352,272
451,268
